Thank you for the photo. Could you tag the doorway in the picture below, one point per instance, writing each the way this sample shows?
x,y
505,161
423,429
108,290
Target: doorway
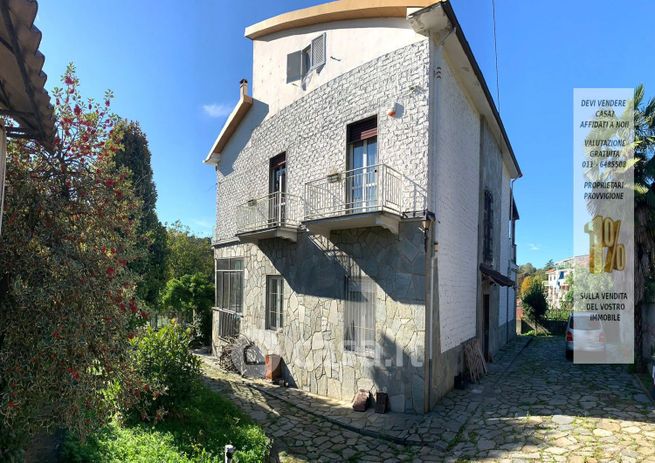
x,y
362,166
277,190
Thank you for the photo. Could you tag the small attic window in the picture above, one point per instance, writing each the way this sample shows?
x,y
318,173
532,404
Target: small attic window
x,y
301,63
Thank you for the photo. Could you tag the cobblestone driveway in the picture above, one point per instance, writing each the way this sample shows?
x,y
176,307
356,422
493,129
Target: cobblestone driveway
x,y
538,408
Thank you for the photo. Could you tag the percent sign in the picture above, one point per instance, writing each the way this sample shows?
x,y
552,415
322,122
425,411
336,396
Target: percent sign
x,y
604,233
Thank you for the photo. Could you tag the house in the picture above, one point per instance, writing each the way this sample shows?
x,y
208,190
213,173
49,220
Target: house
x,y
557,279
365,217
23,97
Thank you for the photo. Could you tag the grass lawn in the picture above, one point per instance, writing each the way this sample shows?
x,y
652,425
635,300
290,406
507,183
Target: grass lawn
x,y
197,434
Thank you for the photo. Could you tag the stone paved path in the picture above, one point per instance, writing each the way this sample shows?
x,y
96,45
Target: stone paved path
x,y
533,406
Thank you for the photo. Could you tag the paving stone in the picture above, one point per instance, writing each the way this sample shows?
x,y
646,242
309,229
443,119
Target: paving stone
x,y
534,407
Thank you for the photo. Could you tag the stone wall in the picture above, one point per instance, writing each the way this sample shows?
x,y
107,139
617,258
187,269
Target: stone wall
x,y
311,342
312,131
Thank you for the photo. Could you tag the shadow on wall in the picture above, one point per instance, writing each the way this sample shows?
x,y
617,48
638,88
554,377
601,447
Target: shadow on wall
x,y
307,268
318,267
399,372
242,136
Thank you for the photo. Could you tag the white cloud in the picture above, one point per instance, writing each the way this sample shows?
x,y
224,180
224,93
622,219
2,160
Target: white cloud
x,y
216,110
534,247
201,223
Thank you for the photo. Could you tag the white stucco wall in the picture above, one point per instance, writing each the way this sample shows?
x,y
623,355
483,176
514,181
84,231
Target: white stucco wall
x,y
348,44
456,179
505,251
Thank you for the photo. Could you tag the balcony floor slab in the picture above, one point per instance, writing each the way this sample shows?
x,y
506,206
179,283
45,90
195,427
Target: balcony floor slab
x,y
253,236
324,225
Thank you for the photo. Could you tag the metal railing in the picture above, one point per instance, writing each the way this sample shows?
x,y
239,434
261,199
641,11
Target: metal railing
x,y
277,209
366,189
228,323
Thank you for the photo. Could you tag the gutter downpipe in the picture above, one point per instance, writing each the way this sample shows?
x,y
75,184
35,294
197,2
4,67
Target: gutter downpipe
x,y
431,245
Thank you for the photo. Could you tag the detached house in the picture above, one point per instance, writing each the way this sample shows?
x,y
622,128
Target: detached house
x,y
365,218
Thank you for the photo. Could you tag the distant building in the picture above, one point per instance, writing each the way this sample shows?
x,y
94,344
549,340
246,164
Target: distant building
x,y
556,283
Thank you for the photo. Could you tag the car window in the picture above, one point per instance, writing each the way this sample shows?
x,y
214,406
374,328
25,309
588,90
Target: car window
x,y
584,322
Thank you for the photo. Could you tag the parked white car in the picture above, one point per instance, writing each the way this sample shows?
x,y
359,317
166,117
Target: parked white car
x,y
586,332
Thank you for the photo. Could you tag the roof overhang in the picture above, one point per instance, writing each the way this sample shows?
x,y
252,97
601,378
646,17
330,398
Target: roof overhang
x,y
22,93
334,11
438,20
231,125
495,276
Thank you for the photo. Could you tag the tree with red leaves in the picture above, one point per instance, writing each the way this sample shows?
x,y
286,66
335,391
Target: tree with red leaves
x,y
66,290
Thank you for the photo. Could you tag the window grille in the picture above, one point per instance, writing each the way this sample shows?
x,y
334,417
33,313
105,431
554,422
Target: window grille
x,y
229,284
274,301
359,316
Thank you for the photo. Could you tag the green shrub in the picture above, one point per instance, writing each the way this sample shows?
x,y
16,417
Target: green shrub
x,y
192,297
534,301
167,369
206,422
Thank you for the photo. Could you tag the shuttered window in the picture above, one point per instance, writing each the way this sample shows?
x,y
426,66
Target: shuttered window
x,y
301,63
368,128
294,66
318,51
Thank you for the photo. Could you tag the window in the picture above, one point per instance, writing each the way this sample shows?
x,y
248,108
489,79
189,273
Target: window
x,y
301,63
277,188
359,316
229,284
362,178
274,301
306,61
488,252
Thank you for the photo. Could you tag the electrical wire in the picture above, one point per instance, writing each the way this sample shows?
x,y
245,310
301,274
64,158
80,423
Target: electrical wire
x,y
493,8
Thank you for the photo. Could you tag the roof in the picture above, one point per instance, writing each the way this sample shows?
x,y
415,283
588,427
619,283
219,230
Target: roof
x,y
495,276
334,11
22,93
234,119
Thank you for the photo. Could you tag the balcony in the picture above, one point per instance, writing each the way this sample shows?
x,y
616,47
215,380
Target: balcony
x,y
276,215
366,197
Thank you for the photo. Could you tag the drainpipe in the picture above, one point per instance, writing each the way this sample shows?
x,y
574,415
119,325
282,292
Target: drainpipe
x,y
429,230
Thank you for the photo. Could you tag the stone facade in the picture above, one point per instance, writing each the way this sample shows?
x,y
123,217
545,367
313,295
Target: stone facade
x,y
312,132
437,141
311,341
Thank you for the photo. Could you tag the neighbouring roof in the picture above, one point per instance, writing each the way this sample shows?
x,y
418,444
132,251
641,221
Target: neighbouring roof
x,y
22,93
335,11
515,210
495,276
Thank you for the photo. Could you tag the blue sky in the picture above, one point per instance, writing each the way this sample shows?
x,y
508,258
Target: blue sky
x,y
175,67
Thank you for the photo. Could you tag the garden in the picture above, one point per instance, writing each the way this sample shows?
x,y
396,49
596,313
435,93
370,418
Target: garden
x,y
100,304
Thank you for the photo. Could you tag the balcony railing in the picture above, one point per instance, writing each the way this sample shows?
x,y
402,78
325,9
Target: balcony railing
x,y
277,209
228,323
377,188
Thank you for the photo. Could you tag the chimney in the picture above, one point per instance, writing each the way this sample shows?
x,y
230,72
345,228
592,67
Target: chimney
x,y
243,87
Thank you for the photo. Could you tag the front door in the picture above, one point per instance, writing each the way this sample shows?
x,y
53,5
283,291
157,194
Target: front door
x,y
277,190
362,179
